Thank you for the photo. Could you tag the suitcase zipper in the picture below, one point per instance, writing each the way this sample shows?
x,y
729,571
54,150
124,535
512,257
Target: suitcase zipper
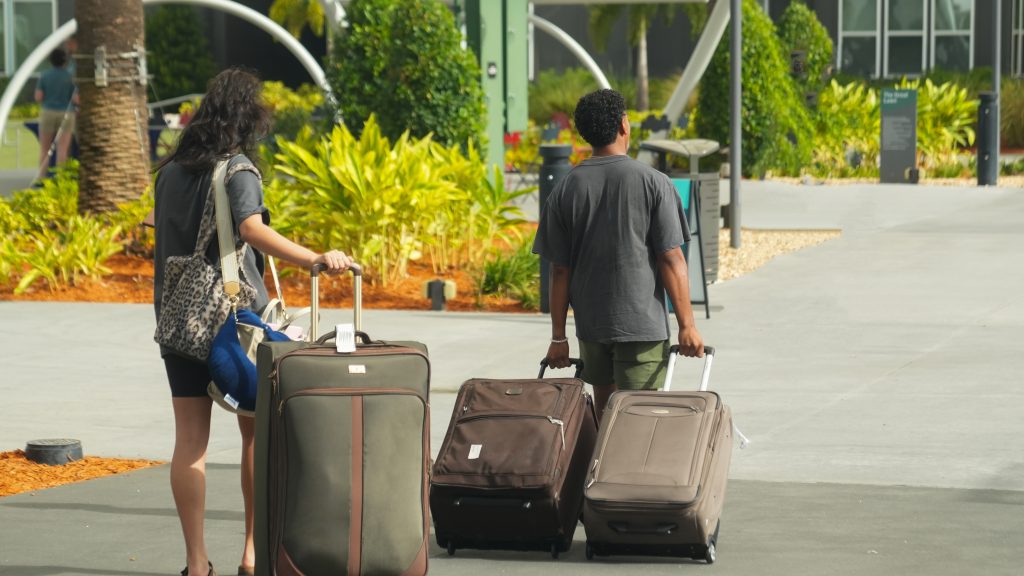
x,y
551,419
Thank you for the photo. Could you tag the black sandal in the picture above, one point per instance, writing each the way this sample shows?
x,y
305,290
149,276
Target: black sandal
x,y
212,572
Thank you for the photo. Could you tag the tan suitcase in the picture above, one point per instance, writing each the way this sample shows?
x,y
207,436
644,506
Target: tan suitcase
x,y
657,480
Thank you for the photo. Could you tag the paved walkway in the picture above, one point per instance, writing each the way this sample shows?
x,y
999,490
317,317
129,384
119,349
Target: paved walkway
x,y
877,375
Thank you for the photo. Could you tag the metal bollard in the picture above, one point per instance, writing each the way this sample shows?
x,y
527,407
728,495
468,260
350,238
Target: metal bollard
x,y
988,139
555,165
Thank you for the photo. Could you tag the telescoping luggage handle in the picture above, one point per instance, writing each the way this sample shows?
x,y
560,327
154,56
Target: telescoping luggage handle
x,y
709,357
572,362
314,300
673,353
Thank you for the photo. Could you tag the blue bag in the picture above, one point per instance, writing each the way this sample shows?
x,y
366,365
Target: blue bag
x,y
232,361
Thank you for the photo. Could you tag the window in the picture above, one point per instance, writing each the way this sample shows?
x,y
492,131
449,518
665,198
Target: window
x,y
25,24
904,37
858,36
1017,54
952,46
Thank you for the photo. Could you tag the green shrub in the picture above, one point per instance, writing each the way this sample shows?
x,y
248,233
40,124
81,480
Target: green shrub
x,y
515,275
975,81
776,127
1012,168
37,209
137,238
388,203
178,56
403,61
1011,112
800,30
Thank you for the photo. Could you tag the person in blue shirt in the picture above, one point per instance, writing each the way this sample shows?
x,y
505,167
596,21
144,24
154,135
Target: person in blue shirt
x,y
57,97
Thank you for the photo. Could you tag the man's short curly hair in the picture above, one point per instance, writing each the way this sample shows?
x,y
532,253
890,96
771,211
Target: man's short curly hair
x,y
598,116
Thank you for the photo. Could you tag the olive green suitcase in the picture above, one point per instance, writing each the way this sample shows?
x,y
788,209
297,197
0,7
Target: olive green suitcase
x,y
342,457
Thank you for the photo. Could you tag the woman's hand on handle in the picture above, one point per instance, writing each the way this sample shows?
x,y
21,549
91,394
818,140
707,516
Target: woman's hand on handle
x,y
334,260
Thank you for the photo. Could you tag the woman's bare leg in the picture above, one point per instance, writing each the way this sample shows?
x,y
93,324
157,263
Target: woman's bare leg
x,y
247,426
188,476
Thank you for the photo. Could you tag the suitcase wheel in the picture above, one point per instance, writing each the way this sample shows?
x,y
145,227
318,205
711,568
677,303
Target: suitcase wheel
x,y
590,551
709,555
554,550
451,548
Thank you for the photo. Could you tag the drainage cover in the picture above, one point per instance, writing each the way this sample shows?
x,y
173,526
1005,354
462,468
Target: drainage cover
x,y
54,451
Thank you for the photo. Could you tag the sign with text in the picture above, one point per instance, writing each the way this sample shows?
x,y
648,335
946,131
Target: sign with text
x,y
899,136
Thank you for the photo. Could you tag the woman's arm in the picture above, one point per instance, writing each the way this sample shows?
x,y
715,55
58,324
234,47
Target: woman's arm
x,y
266,240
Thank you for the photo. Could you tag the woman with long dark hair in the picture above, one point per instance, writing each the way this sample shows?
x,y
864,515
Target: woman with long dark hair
x,y
229,123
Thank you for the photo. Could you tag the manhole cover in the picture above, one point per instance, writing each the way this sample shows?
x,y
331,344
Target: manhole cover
x,y
54,451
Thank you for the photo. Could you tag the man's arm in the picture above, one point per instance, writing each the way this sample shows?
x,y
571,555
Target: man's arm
x,y
672,267
558,351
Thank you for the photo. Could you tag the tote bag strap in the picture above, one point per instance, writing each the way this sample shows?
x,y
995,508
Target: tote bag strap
x,y
225,235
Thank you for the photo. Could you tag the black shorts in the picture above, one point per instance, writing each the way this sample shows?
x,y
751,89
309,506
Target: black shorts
x,y
188,378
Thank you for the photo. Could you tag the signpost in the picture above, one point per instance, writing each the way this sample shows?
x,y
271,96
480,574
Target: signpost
x,y
899,136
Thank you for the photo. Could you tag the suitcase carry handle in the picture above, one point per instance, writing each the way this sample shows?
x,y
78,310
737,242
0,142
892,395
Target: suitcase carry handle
x,y
572,362
623,528
314,298
673,353
363,336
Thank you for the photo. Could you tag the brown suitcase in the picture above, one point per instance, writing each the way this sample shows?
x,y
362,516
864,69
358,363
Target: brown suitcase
x,y
657,480
511,469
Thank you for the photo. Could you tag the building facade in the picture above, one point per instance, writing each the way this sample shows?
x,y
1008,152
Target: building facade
x,y
871,38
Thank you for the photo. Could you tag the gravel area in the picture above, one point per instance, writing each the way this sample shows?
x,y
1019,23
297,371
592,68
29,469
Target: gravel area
x,y
758,247
1016,181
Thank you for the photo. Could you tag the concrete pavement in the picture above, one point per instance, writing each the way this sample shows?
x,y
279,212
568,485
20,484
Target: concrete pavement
x,y
877,376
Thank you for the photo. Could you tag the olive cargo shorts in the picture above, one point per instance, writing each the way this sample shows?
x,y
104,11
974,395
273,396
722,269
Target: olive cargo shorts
x,y
629,365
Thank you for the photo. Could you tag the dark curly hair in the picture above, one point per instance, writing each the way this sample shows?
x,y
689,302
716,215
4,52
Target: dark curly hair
x,y
231,118
598,116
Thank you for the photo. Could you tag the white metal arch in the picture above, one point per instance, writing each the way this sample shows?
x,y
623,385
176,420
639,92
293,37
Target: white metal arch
x,y
68,29
573,46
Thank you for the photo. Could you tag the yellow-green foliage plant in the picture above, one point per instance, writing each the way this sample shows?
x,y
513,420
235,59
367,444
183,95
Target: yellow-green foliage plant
x,y
292,109
45,238
945,121
61,255
387,203
848,125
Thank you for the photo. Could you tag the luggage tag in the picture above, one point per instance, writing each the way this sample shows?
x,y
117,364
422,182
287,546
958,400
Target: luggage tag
x,y
345,338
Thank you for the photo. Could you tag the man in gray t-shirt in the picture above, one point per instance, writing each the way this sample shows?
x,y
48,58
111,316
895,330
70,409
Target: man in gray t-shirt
x,y
612,230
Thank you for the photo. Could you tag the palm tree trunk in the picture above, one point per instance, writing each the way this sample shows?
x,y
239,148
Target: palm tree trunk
x,y
642,84
112,120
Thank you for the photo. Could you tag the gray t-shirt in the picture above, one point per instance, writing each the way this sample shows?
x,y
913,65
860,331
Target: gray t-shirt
x,y
180,196
608,220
